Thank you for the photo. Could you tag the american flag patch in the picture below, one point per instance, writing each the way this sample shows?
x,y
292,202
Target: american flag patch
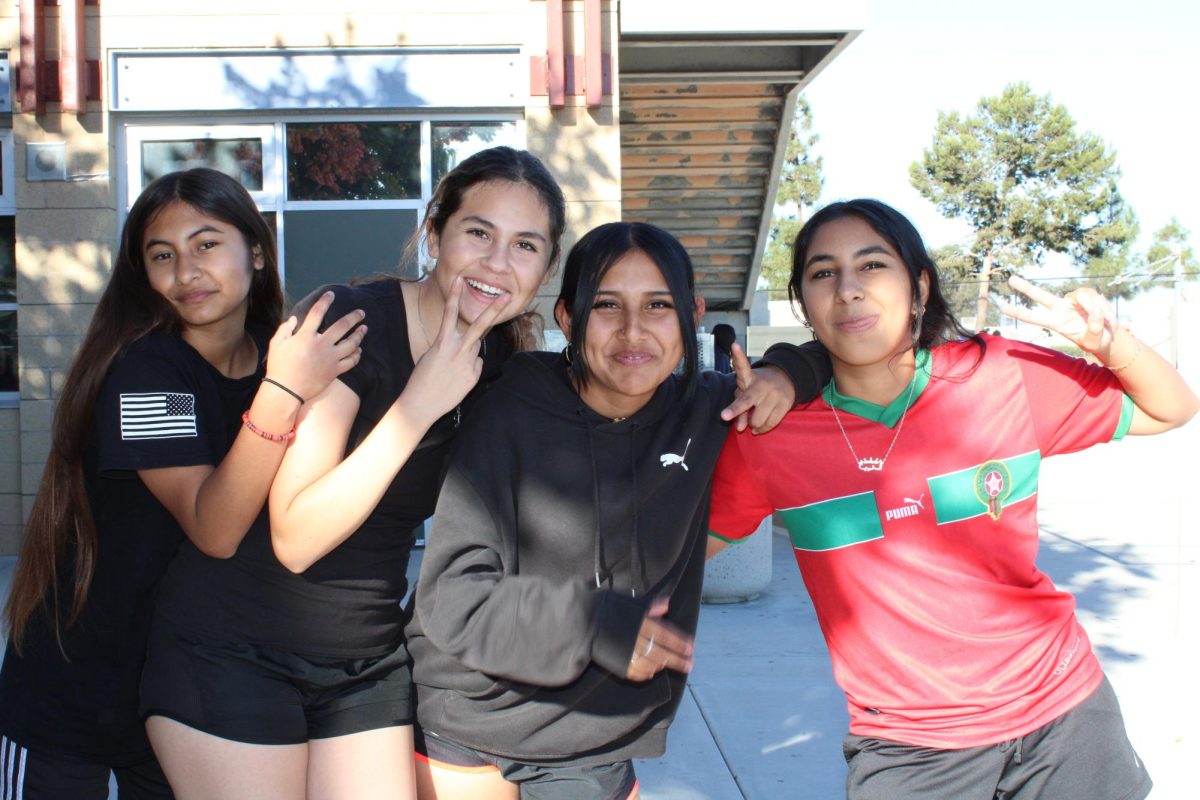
x,y
158,415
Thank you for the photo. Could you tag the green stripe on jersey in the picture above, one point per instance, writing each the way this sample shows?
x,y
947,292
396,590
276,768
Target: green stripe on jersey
x,y
955,497
830,524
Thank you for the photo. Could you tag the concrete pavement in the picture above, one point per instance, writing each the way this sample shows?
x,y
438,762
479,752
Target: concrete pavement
x,y
763,719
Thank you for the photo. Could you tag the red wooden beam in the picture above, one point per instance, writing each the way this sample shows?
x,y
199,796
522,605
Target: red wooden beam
x,y
593,45
556,54
30,82
72,79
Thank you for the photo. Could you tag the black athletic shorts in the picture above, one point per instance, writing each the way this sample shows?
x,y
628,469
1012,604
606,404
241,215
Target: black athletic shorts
x,y
614,781
30,775
261,695
1082,755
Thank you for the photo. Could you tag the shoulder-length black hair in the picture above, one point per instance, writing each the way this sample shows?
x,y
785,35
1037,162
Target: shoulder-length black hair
x,y
595,254
61,520
935,323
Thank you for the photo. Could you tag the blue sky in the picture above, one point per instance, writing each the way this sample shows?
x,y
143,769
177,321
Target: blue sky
x,y
1126,71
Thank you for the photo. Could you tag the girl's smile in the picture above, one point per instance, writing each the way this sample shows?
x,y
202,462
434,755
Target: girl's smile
x,y
633,340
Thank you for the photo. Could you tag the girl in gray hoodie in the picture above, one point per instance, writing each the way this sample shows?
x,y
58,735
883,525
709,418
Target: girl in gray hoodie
x,y
553,620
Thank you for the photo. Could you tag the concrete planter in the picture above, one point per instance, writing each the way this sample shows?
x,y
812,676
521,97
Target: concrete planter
x,y
741,571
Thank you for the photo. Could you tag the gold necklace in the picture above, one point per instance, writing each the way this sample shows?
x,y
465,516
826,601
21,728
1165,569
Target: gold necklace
x,y
872,464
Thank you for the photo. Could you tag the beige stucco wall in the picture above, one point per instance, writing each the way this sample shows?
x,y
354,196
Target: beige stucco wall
x,y
66,231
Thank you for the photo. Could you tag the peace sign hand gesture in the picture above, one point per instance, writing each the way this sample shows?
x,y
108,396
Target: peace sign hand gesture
x,y
451,366
1082,315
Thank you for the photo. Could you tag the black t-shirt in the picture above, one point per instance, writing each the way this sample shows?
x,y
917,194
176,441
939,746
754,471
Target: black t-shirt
x,y
347,604
161,405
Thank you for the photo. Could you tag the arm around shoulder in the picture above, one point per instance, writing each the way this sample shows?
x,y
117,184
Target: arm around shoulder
x,y
807,365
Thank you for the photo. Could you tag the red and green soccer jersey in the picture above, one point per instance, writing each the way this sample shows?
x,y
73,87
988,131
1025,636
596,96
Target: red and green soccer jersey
x,y
942,631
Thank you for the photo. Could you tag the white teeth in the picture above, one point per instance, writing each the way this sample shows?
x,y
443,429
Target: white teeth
x,y
483,287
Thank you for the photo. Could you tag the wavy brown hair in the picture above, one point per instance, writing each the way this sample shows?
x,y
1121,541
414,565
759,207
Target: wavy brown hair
x,y
60,522
491,165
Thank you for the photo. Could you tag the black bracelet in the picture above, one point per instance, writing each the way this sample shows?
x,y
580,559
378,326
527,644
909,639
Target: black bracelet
x,y
286,389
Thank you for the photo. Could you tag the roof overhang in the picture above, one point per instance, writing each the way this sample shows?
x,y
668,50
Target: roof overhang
x,y
707,95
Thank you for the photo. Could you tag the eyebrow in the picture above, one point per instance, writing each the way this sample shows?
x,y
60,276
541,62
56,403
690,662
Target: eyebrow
x,y
617,292
492,226
192,235
866,251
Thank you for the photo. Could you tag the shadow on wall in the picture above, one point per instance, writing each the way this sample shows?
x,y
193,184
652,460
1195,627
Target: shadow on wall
x,y
341,90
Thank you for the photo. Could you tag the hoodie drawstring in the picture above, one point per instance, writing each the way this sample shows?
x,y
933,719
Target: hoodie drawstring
x,y
597,540
637,567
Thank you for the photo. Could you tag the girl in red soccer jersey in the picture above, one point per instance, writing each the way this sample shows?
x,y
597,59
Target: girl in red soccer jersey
x,y
914,524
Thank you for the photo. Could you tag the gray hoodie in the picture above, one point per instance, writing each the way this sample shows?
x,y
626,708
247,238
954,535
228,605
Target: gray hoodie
x,y
554,529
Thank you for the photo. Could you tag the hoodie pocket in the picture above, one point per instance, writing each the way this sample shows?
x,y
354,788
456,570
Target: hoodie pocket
x,y
534,722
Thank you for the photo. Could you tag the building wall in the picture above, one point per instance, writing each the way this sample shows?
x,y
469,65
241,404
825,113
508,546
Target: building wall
x,y
66,231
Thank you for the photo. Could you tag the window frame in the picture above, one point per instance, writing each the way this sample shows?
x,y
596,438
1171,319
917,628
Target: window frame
x,y
8,208
273,199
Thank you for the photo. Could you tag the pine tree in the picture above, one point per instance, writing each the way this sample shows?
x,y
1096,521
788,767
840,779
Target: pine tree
x,y
1026,181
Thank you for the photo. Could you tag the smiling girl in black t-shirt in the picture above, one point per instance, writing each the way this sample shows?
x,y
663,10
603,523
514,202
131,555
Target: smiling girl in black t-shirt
x,y
170,427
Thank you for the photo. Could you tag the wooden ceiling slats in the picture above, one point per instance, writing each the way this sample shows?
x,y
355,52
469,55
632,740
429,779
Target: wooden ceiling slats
x,y
649,136
701,112
695,159
700,170
635,91
714,200
743,226
657,150
705,162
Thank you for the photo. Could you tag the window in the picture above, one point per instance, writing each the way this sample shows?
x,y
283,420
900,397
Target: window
x,y
344,196
354,161
455,141
244,152
9,378
238,158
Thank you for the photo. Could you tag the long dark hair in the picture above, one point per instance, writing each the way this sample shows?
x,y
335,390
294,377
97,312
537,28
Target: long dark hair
x,y
497,164
61,520
934,323
595,254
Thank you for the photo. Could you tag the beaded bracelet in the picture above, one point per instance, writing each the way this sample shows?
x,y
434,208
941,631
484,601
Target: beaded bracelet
x,y
276,383
270,437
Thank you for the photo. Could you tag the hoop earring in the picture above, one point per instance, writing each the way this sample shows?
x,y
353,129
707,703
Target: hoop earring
x,y
809,327
567,354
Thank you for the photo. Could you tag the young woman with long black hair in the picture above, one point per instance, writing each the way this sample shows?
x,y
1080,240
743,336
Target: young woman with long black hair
x,y
170,426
